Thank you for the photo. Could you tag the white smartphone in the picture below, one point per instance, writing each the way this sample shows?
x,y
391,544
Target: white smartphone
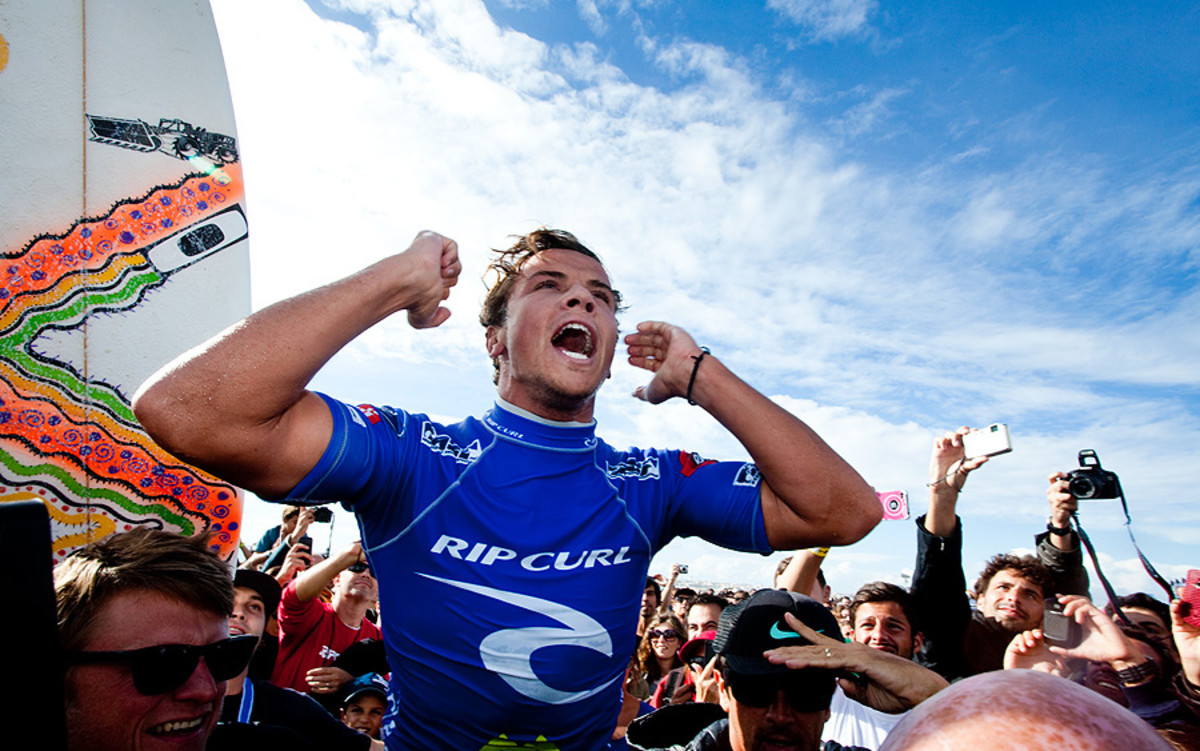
x,y
989,441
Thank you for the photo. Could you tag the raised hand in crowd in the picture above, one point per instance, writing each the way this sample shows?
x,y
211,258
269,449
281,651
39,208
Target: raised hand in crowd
x,y
254,561
886,682
303,522
297,561
668,594
1029,651
1187,640
1102,641
1063,506
948,470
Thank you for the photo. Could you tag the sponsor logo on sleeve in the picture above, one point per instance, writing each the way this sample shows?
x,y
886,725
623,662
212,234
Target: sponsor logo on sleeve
x,y
748,476
690,461
442,444
644,468
370,413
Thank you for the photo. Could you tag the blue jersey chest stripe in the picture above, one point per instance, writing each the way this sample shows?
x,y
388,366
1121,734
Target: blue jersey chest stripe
x,y
441,497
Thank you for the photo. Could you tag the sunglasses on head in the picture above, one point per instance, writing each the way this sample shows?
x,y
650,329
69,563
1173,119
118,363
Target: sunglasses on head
x,y
359,567
663,633
166,667
803,694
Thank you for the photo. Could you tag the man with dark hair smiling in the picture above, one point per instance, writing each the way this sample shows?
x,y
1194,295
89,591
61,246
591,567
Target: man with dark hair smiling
x,y
778,664
1010,592
523,519
884,618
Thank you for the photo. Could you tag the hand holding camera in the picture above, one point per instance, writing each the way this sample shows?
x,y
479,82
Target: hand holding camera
x,y
1090,481
1100,639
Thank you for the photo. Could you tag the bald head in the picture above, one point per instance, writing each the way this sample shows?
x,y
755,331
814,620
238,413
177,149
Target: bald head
x,y
1014,710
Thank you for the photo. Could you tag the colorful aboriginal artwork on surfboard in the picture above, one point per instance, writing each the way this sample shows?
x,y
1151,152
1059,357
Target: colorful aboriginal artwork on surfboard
x,y
67,437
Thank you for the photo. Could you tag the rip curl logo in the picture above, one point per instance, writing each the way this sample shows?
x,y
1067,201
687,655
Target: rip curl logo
x,y
441,444
645,468
690,461
748,476
509,652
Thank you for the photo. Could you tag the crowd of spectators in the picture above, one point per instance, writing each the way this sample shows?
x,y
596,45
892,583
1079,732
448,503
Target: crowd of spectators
x,y
293,657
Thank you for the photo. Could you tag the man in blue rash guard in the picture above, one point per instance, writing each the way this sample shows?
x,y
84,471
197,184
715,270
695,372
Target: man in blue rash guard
x,y
525,538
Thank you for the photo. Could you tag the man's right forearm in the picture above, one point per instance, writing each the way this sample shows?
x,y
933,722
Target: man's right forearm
x,y
238,406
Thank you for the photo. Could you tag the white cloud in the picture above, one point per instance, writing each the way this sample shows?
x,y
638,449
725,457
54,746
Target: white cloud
x,y
881,306
826,19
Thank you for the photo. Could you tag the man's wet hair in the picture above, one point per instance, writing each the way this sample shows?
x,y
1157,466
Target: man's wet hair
x,y
887,592
509,263
1026,566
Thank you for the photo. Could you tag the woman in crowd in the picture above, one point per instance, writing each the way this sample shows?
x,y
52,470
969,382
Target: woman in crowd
x,y
658,653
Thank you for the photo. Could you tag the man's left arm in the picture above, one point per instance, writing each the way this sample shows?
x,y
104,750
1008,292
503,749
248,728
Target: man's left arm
x,y
810,495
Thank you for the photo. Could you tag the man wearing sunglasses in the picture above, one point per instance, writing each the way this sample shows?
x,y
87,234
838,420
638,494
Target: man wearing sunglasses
x,y
143,623
312,633
779,659
521,527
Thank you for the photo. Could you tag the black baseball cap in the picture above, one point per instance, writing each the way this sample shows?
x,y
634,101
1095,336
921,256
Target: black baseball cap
x,y
757,624
263,584
368,683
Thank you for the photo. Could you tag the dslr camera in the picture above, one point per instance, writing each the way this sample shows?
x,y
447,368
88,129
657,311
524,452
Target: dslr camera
x,y
1090,481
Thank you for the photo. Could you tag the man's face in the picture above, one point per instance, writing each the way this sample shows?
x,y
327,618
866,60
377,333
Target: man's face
x,y
1013,601
649,601
249,613
883,626
360,585
703,617
365,714
680,607
1149,623
557,344
775,727
104,710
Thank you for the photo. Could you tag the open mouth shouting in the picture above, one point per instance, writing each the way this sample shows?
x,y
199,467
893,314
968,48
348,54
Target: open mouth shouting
x,y
575,341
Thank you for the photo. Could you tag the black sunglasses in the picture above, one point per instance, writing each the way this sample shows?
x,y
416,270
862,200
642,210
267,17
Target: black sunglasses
x,y
359,567
664,633
802,694
166,667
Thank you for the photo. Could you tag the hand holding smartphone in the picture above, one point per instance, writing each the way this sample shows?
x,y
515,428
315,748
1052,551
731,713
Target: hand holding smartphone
x,y
1191,595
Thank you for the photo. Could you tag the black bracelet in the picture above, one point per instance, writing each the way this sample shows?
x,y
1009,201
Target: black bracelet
x,y
696,367
1058,530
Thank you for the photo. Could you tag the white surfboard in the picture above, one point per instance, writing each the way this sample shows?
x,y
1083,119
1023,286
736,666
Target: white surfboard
x,y
123,237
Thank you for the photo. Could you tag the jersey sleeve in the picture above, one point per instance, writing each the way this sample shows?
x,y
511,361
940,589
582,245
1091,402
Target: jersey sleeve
x,y
365,456
720,502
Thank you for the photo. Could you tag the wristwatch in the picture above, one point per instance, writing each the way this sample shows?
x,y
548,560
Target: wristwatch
x,y
1058,530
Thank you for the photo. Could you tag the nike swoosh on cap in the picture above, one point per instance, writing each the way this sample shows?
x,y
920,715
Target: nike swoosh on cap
x,y
779,633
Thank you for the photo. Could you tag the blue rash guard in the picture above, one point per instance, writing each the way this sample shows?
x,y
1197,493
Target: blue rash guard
x,y
512,554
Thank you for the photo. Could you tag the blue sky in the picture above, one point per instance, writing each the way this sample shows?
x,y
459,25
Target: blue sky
x,y
892,218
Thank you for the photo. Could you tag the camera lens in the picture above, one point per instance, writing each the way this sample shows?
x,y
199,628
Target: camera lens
x,y
1082,486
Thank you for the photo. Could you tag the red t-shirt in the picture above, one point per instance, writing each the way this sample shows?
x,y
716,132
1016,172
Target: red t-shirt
x,y
311,636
